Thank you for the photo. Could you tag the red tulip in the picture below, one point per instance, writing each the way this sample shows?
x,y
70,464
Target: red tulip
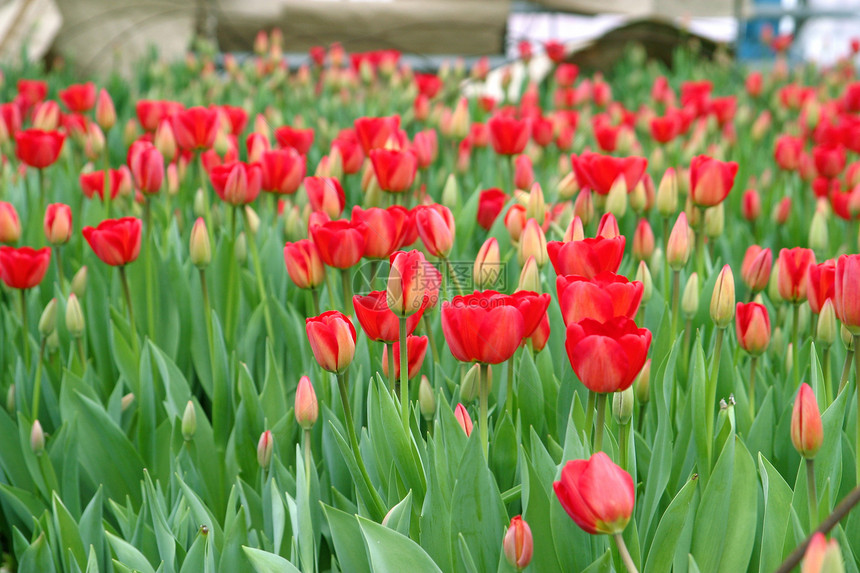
x,y
425,146
792,273
490,205
115,241
807,431
147,168
787,152
829,159
237,183
416,349
532,307
643,241
23,268
597,494
304,264
756,267
93,183
351,153
378,321
58,223
38,148
482,327
332,338
518,544
306,405
10,224
543,130
283,171
428,84
195,128
407,286
297,138
711,180
587,257
79,98
524,174
540,336
325,194
341,243
436,229
664,129
822,556
32,91
385,228
605,133
10,119
598,172
394,169
607,356
752,325
508,135
463,419
751,205
601,298
608,227
555,51
846,292
237,117
373,132
151,112
820,284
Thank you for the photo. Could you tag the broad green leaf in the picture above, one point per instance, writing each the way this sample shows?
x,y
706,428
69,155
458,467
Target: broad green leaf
x,y
663,547
128,554
265,562
777,509
389,551
349,546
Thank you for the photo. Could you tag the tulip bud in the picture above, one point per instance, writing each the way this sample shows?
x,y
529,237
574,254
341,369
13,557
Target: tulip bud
x,y
773,285
575,231
130,133
105,111
642,386
165,140
583,207
643,275
252,220
807,432
451,192
74,317
307,407
10,398
199,205
667,194
79,282
690,298
529,276
58,223
533,244
189,422
622,405
48,320
818,236
822,556
567,187
52,342
426,399
469,385
715,221
37,438
643,241
825,332
487,267
200,250
240,248
536,204
616,200
518,544
10,225
638,197
463,418
723,298
264,449
679,247
847,338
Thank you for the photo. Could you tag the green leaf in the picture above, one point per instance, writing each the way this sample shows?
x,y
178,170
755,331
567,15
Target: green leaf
x,y
128,554
265,562
348,542
37,557
389,551
602,564
669,530
777,511
67,531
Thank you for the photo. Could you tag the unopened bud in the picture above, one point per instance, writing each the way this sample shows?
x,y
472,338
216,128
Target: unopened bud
x,y
690,299
567,187
622,405
426,399
199,205
715,221
825,332
252,220
469,386
52,343
680,243
643,275
533,244
518,544
642,385
818,235
773,285
451,192
126,401
189,422
536,204
575,231
307,407
79,282
723,298
529,276
240,248
48,320
264,449
487,267
667,194
37,438
200,249
616,200
638,197
463,418
74,317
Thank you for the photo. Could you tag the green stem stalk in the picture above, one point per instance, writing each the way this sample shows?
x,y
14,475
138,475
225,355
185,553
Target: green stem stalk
x,y
150,301
753,364
601,415
429,331
392,379
404,376
81,352
509,400
59,261
25,335
857,384
828,383
207,212
846,370
261,286
711,393
625,555
106,189
676,299
811,494
127,293
623,434
37,383
795,350
308,459
346,281
589,414
483,392
665,250
315,297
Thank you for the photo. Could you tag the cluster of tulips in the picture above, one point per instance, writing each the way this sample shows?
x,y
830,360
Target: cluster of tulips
x,y
428,206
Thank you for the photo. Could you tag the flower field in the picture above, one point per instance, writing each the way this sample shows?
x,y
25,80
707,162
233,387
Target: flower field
x,y
343,318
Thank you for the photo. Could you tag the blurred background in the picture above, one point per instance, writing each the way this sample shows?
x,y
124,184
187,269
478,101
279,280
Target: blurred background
x,y
101,36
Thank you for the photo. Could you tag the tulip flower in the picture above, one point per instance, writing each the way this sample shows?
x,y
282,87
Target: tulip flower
x,y
601,298
711,180
416,349
32,91
306,406
753,327
195,128
332,338
58,223
820,284
94,183
325,194
508,135
587,257
599,172
38,148
756,267
490,205
723,298
296,138
793,264
515,222
487,268
463,419
846,292
829,159
787,152
10,225
607,356
373,132
518,544
807,435
237,183
24,267
394,169
378,321
79,98
385,229
341,243
147,168
105,111
304,264
115,241
283,171
264,449
643,241
436,229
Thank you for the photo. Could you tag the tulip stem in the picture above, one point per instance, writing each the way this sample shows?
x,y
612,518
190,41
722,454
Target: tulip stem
x,y
857,384
589,414
353,439
483,392
150,302
623,434
81,352
601,415
509,400
25,338
453,276
207,214
330,287
308,459
207,308
753,364
258,270
37,382
59,262
700,248
428,328
127,293
315,297
711,394
106,186
392,379
641,418
811,494
795,350
404,375
846,370
625,555
828,383
676,299
665,251
346,281
42,190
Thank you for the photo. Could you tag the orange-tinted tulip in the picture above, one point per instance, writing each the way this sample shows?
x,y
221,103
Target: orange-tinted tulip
x,y
10,224
58,223
115,241
752,326
793,264
407,282
756,267
711,180
597,494
306,407
416,347
385,229
332,338
304,264
23,268
846,292
807,431
601,298
518,544
325,194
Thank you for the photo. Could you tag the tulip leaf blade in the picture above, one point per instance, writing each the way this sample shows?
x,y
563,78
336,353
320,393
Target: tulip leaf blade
x,y
265,562
389,550
348,542
669,530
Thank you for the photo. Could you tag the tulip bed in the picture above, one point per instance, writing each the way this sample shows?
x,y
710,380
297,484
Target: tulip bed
x,y
629,307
